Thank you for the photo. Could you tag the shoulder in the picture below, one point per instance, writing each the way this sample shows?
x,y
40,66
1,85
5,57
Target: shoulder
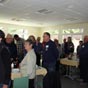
x,y
5,50
51,42
32,53
22,40
5,53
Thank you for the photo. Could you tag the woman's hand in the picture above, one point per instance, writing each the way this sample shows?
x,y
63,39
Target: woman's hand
x,y
5,86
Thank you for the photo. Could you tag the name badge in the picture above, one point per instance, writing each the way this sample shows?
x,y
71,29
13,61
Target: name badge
x,y
47,46
83,46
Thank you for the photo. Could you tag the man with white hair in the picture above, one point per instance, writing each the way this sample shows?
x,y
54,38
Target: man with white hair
x,y
83,56
9,42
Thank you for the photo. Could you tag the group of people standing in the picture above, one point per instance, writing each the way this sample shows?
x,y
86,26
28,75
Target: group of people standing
x,y
66,49
25,55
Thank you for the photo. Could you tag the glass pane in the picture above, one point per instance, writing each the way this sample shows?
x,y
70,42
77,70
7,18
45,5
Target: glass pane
x,y
76,39
65,36
21,32
76,30
53,32
54,37
66,31
72,31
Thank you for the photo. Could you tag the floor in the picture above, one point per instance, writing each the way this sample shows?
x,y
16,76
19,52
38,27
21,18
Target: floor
x,y
67,83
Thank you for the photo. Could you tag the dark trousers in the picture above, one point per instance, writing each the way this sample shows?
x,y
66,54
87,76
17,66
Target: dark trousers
x,y
52,80
84,70
31,83
38,59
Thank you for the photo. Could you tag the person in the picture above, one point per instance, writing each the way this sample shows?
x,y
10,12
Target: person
x,y
5,63
64,48
79,47
38,50
31,37
20,47
60,52
83,60
28,64
70,48
50,56
58,47
9,42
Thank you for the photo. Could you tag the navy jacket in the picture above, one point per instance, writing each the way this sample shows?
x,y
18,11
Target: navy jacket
x,y
50,55
83,53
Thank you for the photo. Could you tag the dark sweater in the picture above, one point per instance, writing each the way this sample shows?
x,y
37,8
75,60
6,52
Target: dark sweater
x,y
5,65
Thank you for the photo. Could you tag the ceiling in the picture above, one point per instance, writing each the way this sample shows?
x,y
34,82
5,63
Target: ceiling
x,y
43,12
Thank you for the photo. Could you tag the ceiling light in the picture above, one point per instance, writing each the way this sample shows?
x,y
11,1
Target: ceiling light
x,y
44,11
71,19
18,19
70,6
2,2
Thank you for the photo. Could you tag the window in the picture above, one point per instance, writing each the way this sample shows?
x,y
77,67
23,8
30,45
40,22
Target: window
x,y
54,33
72,31
21,32
76,35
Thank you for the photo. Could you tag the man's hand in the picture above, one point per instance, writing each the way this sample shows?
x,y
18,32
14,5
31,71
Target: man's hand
x,y
5,86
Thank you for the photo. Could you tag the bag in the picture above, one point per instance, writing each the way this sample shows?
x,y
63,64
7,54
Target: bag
x,y
22,82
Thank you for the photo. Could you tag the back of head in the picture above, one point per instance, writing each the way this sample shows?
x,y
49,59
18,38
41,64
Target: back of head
x,y
85,38
31,37
64,40
69,39
16,36
2,35
56,41
30,42
38,39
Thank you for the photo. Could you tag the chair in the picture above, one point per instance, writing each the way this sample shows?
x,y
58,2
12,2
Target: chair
x,y
21,82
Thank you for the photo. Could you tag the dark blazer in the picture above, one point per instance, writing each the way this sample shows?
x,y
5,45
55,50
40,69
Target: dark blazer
x,y
50,55
5,65
13,50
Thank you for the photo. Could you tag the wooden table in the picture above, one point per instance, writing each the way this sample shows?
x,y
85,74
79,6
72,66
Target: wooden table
x,y
39,71
69,64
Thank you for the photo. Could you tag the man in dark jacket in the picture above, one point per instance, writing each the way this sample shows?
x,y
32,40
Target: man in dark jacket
x,y
5,64
50,56
83,57
69,48
38,50
11,46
